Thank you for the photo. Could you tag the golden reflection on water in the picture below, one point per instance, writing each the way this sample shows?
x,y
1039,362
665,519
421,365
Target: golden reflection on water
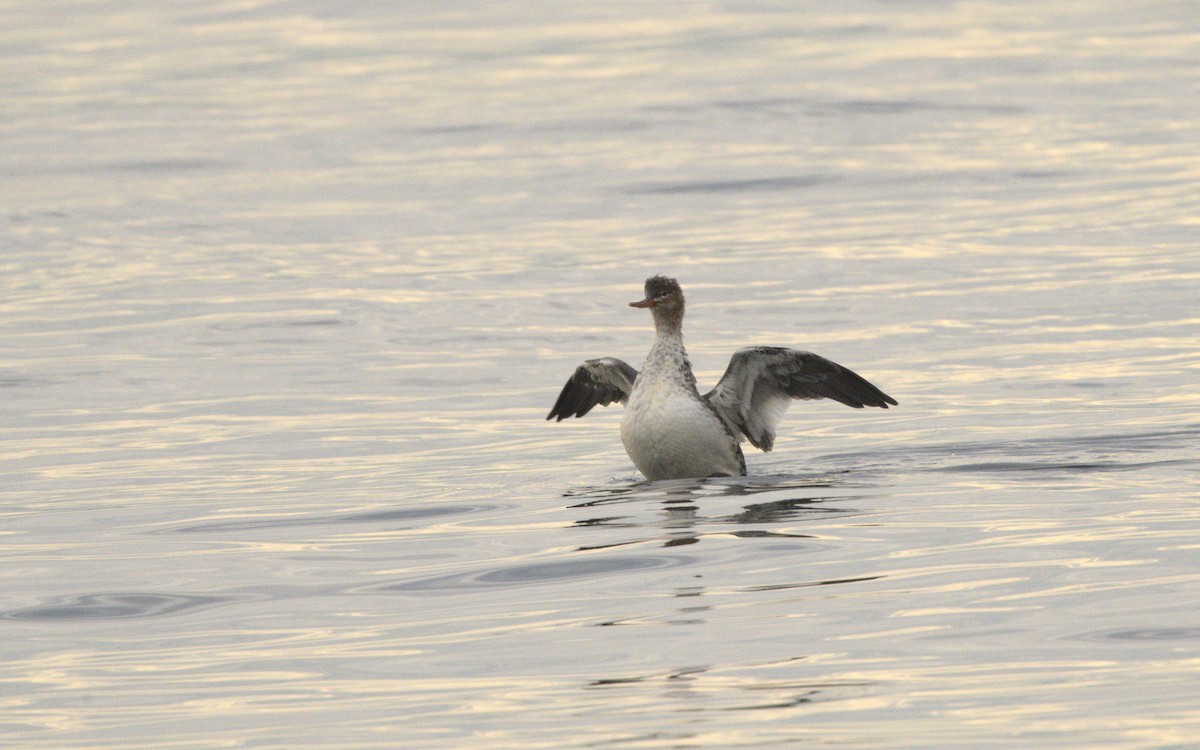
x,y
282,326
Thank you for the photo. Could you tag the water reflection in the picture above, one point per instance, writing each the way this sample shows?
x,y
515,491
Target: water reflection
x,y
1153,634
115,606
533,573
702,682
277,325
281,521
682,506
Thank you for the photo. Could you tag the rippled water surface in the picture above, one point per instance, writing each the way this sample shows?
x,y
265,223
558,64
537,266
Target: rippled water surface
x,y
287,290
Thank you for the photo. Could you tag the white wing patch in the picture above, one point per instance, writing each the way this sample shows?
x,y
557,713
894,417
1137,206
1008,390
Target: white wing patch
x,y
761,381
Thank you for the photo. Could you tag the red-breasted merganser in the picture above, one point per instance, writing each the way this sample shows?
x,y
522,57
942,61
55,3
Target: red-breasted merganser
x,y
669,430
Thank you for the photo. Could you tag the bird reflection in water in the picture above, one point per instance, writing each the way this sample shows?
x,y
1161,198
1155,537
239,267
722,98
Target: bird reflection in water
x,y
682,504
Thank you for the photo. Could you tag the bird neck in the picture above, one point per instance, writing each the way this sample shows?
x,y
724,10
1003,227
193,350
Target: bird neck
x,y
667,358
668,323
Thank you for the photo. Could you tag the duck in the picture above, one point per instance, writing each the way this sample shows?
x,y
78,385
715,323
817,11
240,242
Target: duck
x,y
670,430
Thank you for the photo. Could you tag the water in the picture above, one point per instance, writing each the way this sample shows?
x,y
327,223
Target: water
x,y
288,289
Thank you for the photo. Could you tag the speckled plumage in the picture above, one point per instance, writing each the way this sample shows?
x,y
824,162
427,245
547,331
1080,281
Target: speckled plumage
x,y
669,430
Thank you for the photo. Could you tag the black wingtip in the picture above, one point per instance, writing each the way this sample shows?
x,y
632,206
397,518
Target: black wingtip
x,y
560,411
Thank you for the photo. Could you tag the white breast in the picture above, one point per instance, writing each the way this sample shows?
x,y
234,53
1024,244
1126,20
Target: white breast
x,y
669,433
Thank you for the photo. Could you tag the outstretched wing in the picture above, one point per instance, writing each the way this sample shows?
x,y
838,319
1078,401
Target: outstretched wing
x,y
597,381
761,381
